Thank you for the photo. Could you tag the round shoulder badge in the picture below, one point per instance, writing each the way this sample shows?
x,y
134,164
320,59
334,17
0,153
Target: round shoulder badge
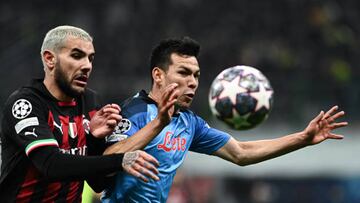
x,y
123,126
21,108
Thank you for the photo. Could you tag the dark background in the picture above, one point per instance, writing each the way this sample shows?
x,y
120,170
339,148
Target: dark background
x,y
308,49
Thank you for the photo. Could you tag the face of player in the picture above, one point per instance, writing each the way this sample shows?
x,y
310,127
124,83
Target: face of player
x,y
73,66
185,71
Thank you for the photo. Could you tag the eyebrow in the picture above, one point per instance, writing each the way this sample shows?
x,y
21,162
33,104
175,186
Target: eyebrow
x,y
78,50
188,69
81,51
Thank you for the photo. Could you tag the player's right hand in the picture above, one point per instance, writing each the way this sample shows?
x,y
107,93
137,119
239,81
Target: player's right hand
x,y
141,165
105,120
166,103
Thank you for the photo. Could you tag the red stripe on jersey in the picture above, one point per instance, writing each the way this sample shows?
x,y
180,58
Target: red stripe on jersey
x,y
53,190
27,188
91,113
81,131
65,128
72,103
74,192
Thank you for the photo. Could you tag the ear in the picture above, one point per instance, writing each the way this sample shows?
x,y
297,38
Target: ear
x,y
49,59
158,75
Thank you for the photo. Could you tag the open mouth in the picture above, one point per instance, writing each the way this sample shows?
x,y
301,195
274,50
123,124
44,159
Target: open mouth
x,y
190,95
81,80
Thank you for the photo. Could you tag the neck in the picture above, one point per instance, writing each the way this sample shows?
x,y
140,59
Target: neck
x,y
55,91
157,98
153,96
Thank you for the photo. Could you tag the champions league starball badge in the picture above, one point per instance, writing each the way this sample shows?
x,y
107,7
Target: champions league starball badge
x,y
123,126
21,108
118,133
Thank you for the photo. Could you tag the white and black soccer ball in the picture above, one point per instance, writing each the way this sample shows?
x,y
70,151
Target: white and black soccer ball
x,y
241,96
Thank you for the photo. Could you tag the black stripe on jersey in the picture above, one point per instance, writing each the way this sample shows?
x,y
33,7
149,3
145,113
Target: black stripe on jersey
x,y
38,192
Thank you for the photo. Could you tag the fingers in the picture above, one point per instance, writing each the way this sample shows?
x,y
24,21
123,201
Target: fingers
x,y
141,171
170,96
149,158
335,136
336,116
111,109
330,112
169,92
136,173
329,118
318,117
144,170
338,125
113,122
141,165
112,114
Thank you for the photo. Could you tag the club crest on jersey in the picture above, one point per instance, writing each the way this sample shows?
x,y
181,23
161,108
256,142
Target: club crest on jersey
x,y
21,108
123,126
73,130
86,125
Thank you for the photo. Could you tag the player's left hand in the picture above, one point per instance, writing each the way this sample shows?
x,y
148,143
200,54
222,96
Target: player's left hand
x,y
105,120
141,165
319,129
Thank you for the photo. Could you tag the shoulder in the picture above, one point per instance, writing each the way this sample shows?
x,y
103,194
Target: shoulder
x,y
135,105
194,119
24,94
24,103
189,114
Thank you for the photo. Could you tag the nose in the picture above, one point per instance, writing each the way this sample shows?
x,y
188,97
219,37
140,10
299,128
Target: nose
x,y
193,82
87,66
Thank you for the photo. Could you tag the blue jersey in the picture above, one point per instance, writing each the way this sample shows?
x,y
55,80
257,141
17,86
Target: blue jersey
x,y
185,132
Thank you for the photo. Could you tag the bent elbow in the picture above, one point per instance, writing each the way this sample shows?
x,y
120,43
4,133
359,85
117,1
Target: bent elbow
x,y
242,161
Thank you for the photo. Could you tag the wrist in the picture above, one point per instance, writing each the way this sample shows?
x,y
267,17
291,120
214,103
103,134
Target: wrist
x,y
158,124
302,139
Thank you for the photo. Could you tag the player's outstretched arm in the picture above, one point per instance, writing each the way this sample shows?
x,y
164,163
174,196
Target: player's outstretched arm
x,y
318,130
142,137
105,120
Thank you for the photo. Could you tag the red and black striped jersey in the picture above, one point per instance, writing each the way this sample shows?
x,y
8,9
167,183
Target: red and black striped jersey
x,y
33,118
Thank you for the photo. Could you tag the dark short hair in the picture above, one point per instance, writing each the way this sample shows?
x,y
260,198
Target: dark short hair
x,y
160,55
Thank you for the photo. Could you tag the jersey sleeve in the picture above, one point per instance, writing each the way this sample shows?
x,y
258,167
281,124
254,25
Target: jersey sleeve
x,y
128,126
206,139
25,122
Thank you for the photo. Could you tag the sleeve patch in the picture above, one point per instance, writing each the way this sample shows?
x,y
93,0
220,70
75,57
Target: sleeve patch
x,y
115,138
123,126
21,108
33,121
119,132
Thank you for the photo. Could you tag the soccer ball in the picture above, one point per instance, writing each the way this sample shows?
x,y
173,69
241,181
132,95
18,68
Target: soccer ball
x,y
241,96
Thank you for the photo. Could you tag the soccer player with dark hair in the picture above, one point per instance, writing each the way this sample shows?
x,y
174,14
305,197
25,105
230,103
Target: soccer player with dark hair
x,y
174,64
50,126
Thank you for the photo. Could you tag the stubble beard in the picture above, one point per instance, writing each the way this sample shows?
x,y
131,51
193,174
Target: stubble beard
x,y
182,105
64,85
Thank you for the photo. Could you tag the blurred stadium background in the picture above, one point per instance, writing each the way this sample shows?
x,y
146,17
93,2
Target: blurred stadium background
x,y
309,50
